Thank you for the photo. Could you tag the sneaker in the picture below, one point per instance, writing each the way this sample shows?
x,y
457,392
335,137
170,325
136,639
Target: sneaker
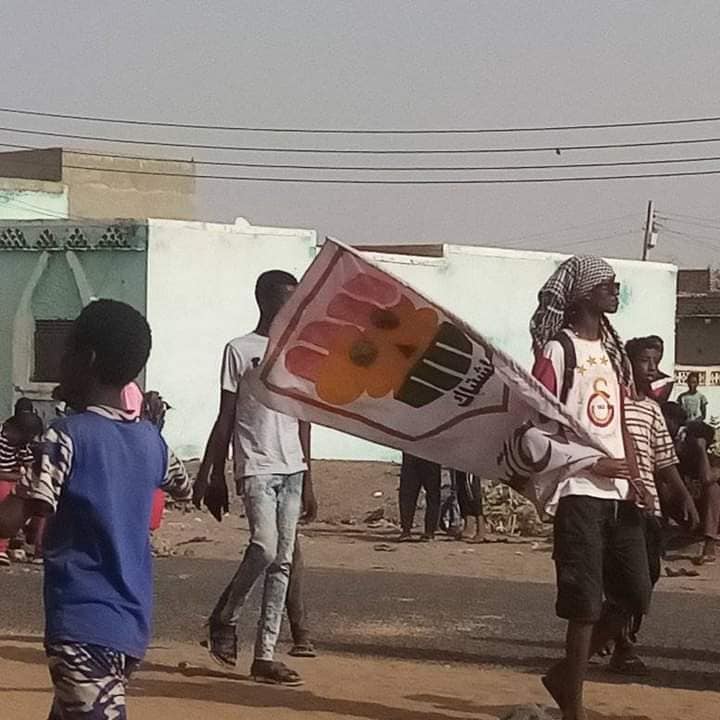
x,y
4,559
222,644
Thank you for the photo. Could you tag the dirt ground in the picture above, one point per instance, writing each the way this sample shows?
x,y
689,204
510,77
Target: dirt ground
x,y
176,682
347,493
176,679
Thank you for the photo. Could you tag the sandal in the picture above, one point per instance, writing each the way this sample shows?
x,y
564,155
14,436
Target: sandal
x,y
704,560
303,650
271,672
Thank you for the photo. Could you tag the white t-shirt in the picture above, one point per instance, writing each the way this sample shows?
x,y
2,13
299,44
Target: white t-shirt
x,y
594,401
265,442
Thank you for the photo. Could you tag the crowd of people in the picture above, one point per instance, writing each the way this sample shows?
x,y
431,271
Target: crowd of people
x,y
93,478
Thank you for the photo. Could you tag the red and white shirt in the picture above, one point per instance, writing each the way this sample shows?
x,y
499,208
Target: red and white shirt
x,y
594,401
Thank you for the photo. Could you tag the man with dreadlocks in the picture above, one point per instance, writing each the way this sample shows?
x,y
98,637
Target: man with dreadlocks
x,y
599,543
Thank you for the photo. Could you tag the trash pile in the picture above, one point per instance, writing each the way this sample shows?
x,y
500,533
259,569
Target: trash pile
x,y
508,513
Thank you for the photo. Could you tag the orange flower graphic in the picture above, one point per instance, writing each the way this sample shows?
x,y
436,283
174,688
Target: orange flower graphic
x,y
366,345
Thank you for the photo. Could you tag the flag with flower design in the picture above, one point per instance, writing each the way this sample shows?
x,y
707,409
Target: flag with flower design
x,y
358,350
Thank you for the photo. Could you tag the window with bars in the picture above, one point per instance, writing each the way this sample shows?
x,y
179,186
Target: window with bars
x,y
50,339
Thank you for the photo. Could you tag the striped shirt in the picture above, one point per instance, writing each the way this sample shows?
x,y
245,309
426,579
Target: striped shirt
x,y
13,459
654,447
54,462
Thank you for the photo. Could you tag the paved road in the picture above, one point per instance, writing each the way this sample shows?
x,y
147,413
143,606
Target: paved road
x,y
416,616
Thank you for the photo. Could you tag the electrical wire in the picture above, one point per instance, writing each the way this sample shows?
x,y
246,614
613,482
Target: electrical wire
x,y
360,131
364,151
373,168
353,181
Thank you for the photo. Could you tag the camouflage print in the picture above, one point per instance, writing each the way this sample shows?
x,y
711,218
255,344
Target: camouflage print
x,y
89,682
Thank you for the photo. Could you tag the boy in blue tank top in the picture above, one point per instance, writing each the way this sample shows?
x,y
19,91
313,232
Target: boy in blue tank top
x,y
95,473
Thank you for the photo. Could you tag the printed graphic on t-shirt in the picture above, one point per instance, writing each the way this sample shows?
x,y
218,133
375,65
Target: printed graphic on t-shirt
x,y
600,409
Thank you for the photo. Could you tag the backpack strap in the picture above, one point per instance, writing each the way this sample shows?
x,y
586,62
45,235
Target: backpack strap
x,y
570,358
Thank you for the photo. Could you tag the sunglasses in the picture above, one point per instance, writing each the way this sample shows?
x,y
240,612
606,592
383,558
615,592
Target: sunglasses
x,y
611,286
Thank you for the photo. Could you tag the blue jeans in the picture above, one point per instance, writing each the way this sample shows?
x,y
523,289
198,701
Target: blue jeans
x,y
272,504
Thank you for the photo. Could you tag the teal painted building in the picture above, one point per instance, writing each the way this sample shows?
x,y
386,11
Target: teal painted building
x,y
50,269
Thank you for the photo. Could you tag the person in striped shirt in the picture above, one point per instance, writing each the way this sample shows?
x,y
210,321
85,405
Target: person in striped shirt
x,y
16,434
657,466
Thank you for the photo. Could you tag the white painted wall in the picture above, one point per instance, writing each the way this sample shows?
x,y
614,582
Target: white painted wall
x,y
201,279
496,291
33,204
200,285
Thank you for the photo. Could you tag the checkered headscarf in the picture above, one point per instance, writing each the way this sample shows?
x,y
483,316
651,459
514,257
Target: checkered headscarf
x,y
573,281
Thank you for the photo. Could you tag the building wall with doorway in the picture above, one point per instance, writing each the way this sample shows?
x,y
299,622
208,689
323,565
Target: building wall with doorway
x,y
48,272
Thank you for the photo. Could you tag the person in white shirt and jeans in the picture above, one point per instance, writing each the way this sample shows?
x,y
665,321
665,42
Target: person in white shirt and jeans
x,y
600,555
271,455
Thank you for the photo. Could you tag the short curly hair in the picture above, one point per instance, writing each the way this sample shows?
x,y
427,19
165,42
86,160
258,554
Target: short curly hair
x,y
118,336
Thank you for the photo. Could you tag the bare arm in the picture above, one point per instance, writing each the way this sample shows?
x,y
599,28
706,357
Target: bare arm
x,y
309,502
670,477
218,444
210,485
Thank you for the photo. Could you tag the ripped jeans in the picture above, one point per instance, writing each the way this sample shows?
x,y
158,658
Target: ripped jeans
x,y
272,504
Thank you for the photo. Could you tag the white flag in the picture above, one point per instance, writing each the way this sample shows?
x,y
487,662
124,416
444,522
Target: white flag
x,y
358,350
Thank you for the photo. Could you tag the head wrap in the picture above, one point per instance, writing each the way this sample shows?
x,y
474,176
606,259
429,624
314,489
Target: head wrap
x,y
574,280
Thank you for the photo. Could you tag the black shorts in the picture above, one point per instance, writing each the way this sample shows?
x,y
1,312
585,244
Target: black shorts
x,y
600,555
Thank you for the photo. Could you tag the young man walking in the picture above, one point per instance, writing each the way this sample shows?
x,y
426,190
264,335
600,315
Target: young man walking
x,y
599,549
658,470
271,454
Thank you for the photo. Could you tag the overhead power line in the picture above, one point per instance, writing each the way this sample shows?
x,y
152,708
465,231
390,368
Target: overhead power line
x,y
364,131
384,168
364,151
354,181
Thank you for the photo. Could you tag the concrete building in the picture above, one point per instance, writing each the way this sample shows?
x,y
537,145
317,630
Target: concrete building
x,y
95,186
30,199
195,283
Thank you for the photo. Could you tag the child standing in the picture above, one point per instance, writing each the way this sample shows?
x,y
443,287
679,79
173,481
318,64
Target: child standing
x,y
97,470
693,402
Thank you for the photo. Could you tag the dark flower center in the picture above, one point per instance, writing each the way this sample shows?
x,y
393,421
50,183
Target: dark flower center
x,y
363,353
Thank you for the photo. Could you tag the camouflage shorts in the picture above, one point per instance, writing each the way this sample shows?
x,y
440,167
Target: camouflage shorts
x,y
89,682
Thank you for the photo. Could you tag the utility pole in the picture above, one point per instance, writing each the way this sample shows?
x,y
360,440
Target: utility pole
x,y
650,236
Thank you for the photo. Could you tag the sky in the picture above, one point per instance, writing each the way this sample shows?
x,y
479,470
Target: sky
x,y
401,65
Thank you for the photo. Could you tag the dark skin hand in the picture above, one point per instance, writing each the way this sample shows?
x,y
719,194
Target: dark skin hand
x,y
681,498
210,486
